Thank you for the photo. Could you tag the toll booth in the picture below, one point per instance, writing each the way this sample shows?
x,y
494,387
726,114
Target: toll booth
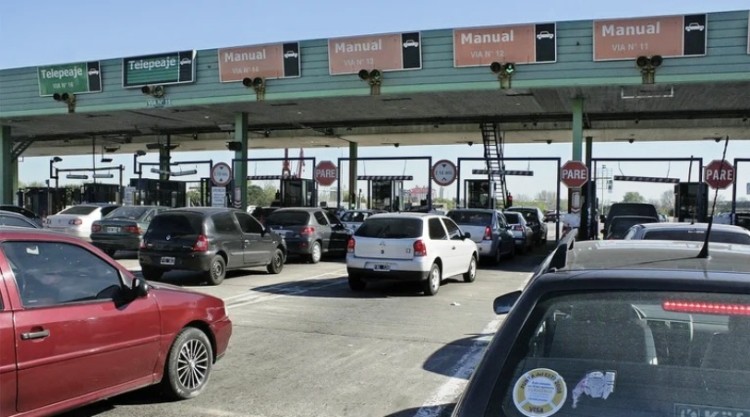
x,y
43,200
98,193
480,194
385,192
156,192
690,201
298,192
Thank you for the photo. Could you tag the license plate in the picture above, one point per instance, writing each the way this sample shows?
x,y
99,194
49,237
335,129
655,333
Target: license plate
x,y
113,229
167,260
381,267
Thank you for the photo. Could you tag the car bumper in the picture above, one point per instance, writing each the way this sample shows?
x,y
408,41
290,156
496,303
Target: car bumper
x,y
486,247
188,262
115,243
222,331
401,276
417,269
73,231
298,246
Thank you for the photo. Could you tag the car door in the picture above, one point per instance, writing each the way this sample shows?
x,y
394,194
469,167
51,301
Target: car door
x,y
461,249
230,238
504,236
74,332
322,228
258,246
339,233
7,346
439,245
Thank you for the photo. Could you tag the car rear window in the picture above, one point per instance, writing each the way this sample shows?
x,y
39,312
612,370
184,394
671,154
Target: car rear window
x,y
620,227
390,228
176,224
512,217
129,213
631,353
288,218
79,210
698,235
353,216
473,218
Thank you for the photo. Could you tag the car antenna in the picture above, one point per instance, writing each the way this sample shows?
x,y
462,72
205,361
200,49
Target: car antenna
x,y
690,177
704,250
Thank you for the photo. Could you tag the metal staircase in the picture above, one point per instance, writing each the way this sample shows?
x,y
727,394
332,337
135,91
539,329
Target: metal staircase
x,y
493,157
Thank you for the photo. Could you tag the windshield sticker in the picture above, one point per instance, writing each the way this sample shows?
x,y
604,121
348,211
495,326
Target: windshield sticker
x,y
540,393
596,384
688,410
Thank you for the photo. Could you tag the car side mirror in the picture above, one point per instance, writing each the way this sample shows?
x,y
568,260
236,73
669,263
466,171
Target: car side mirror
x,y
467,235
504,303
139,288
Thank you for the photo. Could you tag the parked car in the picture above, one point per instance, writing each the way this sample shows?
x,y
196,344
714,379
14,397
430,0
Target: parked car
x,y
8,218
723,233
309,231
123,228
522,233
352,219
208,240
535,220
488,229
410,247
77,220
24,212
618,226
77,327
621,328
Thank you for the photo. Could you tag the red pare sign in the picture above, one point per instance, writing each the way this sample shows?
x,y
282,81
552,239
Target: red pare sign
x,y
719,174
325,173
574,174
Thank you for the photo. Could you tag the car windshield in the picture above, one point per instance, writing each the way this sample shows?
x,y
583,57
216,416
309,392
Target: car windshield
x,y
288,218
353,216
698,235
79,210
626,353
390,228
473,218
129,213
176,224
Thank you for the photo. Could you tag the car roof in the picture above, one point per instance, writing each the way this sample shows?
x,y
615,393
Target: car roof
x,y
477,210
203,211
698,226
13,214
309,209
404,214
629,217
20,233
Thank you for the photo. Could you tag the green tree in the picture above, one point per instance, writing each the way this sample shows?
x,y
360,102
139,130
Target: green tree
x,y
633,197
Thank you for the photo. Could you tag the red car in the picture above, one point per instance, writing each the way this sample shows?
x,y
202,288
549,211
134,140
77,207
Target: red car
x,y
76,327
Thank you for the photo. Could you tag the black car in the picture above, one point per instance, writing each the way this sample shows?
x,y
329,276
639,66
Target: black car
x,y
123,228
209,240
309,231
535,220
621,328
24,212
8,218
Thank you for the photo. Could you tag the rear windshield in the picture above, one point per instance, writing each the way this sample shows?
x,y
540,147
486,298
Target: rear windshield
x,y
631,354
353,216
632,210
513,218
698,235
393,228
474,218
620,227
79,210
176,224
129,213
288,218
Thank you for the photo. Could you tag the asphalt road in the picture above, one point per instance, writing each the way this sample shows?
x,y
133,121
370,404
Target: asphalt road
x,y
303,344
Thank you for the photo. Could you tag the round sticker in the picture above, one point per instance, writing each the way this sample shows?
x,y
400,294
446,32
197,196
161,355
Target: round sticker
x,y
540,393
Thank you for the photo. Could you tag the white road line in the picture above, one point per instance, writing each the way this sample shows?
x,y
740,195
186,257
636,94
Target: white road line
x,y
451,389
256,297
282,284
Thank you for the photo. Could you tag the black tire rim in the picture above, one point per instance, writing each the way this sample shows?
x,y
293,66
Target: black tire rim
x,y
277,261
192,364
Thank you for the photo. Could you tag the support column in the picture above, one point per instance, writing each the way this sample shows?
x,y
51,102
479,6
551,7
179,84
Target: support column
x,y
6,166
588,195
577,129
353,191
240,166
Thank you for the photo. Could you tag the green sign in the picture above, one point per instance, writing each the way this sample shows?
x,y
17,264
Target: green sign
x,y
171,68
81,77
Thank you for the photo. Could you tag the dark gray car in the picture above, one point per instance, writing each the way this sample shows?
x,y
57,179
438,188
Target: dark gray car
x,y
123,228
309,231
209,240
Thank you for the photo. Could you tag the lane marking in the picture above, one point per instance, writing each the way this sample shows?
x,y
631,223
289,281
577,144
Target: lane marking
x,y
260,296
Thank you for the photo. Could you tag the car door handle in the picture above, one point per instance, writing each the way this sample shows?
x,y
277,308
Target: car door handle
x,y
41,334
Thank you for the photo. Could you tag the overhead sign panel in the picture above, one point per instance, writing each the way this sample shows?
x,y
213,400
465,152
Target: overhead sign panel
x,y
669,36
394,52
168,68
267,61
520,44
77,78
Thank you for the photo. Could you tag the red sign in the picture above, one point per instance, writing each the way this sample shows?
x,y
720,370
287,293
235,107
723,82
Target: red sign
x,y
719,174
267,61
325,173
398,51
521,44
574,174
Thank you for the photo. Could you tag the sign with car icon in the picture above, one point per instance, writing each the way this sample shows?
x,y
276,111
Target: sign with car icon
x,y
159,69
76,78
519,44
272,61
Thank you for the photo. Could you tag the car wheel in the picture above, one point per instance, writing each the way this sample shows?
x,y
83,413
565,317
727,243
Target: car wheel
x,y
152,274
498,253
217,270
277,262
316,252
356,283
471,274
188,366
432,285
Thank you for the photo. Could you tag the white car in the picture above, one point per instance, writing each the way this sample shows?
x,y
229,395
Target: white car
x,y
405,247
77,220
545,35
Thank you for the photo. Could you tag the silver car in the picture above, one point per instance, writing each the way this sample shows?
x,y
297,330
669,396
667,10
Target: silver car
x,y
488,229
723,233
352,219
522,233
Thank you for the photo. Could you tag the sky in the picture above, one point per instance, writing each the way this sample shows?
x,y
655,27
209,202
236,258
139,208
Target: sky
x,y
46,32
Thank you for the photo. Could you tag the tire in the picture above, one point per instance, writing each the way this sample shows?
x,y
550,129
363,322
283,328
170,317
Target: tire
x,y
188,365
217,270
356,283
432,284
498,253
151,273
316,252
512,251
277,262
471,274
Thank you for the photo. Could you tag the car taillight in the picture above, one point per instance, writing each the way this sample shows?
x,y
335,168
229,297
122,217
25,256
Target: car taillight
x,y
132,229
307,231
96,228
350,245
142,245
487,233
75,222
201,244
420,249
701,307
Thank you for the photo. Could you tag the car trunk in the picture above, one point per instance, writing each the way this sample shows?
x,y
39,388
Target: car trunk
x,y
476,232
384,248
174,232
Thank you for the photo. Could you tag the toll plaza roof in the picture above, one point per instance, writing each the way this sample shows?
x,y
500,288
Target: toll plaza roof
x,y
684,77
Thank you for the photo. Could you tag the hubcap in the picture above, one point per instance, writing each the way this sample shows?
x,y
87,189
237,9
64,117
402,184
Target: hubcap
x,y
316,252
473,268
217,269
435,278
192,364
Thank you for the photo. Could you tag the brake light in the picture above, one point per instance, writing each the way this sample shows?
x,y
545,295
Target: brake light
x,y
487,233
701,307
142,245
132,229
420,249
307,231
201,244
75,222
96,228
350,245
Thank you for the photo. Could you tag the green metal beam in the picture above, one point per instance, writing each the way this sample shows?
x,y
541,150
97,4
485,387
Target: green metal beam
x,y
240,169
577,129
7,171
352,198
